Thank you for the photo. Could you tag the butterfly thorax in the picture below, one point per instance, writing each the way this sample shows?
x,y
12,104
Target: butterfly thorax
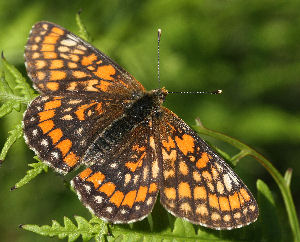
x,y
141,110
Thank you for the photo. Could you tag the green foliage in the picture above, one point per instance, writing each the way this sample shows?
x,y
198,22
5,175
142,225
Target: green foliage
x,y
84,228
269,225
37,168
14,134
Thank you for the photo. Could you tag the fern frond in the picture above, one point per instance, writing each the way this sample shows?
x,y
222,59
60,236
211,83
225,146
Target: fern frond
x,y
86,229
37,168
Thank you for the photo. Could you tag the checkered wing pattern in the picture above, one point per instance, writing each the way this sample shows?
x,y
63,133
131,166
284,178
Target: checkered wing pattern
x,y
60,62
61,128
122,187
197,184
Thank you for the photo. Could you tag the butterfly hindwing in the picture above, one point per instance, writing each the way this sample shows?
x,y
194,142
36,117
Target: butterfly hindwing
x,y
123,186
197,184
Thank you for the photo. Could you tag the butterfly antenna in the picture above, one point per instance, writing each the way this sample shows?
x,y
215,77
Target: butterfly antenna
x,y
158,42
197,92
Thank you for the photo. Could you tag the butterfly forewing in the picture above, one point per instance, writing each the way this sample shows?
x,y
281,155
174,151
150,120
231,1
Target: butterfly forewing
x,y
60,62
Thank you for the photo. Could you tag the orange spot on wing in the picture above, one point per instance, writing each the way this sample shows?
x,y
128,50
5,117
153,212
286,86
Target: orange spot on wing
x,y
52,104
138,148
97,178
57,31
46,126
40,75
108,188
201,163
200,192
46,47
50,55
64,146
57,75
134,165
53,86
85,173
46,115
39,64
224,204
56,64
117,198
168,144
74,57
88,60
80,111
184,190
141,195
105,72
103,86
234,201
129,199
72,65
186,144
170,193
153,187
55,135
71,159
79,74
183,168
50,39
245,194
213,201
207,175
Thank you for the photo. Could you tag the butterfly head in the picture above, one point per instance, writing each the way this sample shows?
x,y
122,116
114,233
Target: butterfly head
x,y
160,95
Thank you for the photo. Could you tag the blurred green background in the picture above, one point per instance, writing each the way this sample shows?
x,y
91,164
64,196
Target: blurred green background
x,y
249,49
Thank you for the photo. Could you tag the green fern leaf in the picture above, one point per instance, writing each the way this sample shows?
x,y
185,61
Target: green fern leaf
x,y
20,82
14,134
87,229
38,168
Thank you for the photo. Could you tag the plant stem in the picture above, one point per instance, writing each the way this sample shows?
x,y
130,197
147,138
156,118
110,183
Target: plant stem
x,y
279,179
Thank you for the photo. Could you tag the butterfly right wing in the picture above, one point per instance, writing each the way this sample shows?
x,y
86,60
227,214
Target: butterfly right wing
x,y
61,128
58,62
197,184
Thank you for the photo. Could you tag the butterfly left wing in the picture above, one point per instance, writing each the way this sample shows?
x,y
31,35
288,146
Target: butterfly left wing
x,y
122,187
61,128
197,184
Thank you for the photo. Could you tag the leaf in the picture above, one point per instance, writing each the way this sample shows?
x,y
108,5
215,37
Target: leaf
x,y
268,219
288,176
25,89
82,29
87,229
7,96
14,134
38,168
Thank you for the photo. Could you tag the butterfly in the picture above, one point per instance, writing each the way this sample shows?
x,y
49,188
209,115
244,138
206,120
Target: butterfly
x,y
93,113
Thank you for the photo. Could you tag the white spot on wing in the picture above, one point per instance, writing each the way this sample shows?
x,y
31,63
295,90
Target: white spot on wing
x,y
34,132
55,155
227,182
44,142
68,42
109,209
98,199
87,188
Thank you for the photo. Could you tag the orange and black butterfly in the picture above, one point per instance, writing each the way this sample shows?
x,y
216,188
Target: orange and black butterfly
x,y
93,113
